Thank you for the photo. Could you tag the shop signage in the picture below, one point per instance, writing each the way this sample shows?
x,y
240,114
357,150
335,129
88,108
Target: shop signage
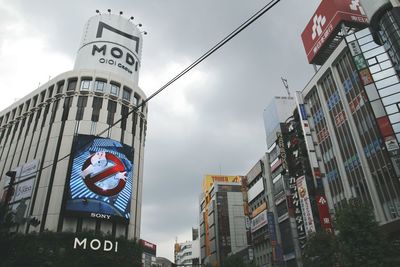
x,y
95,244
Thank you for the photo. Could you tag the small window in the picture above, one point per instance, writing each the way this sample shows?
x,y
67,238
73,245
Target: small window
x,y
114,89
20,109
27,103
60,87
13,114
42,95
50,91
99,85
71,85
136,99
126,94
34,101
86,84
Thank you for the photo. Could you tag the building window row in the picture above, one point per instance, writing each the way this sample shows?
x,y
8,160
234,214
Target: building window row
x,y
86,84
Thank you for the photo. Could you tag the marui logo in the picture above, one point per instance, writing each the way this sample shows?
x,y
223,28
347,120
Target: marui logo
x,y
319,21
355,5
104,174
322,201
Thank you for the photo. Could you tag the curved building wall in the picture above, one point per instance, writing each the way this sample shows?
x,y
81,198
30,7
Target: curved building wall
x,y
42,127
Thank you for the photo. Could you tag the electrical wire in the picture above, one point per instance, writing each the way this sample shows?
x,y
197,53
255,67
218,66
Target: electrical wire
x,y
217,46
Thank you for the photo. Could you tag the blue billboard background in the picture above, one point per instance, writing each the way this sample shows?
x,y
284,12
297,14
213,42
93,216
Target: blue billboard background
x,y
100,184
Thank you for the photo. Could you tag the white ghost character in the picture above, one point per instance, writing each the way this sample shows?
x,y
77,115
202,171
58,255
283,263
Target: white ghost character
x,y
98,163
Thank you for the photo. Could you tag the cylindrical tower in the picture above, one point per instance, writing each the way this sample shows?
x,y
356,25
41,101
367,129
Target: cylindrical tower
x,y
69,177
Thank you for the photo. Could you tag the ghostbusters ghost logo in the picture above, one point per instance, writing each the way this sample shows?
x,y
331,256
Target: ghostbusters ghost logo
x,y
104,174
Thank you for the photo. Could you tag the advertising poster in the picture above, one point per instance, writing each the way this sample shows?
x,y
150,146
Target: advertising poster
x,y
259,221
305,204
101,178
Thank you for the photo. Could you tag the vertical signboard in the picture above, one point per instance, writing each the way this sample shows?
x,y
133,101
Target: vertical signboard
x,y
305,204
101,181
324,216
298,215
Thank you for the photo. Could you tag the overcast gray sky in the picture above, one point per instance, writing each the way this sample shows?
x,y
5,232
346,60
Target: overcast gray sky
x,y
210,121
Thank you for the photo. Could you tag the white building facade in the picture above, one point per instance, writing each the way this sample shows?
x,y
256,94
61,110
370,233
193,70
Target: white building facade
x,y
74,171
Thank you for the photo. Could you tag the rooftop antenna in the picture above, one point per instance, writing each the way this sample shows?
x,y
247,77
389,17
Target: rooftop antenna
x,y
285,83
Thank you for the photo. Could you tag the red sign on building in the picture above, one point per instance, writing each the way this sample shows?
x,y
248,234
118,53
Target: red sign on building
x,y
326,22
324,216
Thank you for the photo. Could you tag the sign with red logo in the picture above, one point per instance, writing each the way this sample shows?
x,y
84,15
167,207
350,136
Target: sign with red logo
x,y
101,179
106,180
326,22
147,246
324,216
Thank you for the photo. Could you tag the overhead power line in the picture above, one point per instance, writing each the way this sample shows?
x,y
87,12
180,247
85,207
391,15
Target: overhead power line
x,y
217,46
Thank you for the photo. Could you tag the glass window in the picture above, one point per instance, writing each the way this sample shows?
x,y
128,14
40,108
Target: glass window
x,y
96,105
383,74
71,85
124,115
85,84
378,109
389,90
60,87
371,92
383,57
387,82
386,64
396,127
35,98
366,39
391,99
50,92
394,118
111,108
126,94
99,85
392,109
374,52
114,89
42,95
369,46
372,61
82,101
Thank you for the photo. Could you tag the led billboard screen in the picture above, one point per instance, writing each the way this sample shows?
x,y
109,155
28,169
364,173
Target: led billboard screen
x,y
101,178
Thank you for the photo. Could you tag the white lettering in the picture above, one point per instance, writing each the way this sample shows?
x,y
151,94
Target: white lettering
x,y
80,243
100,216
108,242
98,244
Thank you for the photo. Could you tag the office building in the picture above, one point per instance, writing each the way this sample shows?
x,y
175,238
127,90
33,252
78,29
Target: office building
x,y
384,18
222,218
149,253
276,116
351,107
188,253
74,172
